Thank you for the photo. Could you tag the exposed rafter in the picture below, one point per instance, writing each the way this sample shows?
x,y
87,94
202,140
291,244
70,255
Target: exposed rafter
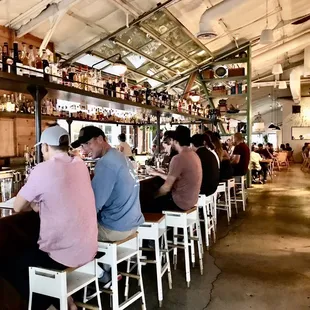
x,y
47,13
115,33
149,31
98,54
129,48
33,11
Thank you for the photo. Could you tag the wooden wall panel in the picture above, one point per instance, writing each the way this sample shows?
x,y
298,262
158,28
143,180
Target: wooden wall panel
x,y
8,35
25,134
7,145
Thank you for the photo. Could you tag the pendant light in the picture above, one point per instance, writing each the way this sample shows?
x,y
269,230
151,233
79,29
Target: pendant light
x,y
266,36
277,69
282,85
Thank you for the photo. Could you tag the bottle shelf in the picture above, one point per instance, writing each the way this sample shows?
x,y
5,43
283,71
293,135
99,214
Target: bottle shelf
x,y
228,96
11,82
227,79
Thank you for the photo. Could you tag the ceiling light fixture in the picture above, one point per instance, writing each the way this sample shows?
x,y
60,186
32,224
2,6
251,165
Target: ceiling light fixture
x,y
277,69
194,97
282,85
119,65
266,36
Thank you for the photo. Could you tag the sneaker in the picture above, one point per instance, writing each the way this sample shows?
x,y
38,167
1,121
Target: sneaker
x,y
105,281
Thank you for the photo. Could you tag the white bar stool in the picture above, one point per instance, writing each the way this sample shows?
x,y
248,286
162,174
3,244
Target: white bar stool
x,y
226,206
240,181
116,253
232,185
155,229
207,204
186,220
62,284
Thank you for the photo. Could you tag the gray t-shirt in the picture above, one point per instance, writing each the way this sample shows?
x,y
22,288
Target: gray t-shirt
x,y
117,191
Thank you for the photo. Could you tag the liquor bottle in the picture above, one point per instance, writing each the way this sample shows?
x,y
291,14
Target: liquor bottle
x,y
1,67
10,63
32,62
110,86
114,83
117,88
39,64
45,66
18,69
5,54
25,61
123,88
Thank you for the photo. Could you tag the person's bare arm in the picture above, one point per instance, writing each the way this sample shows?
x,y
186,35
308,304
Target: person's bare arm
x,y
235,159
167,186
21,204
158,173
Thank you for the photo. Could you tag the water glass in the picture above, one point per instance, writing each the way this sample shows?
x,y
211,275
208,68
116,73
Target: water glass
x,y
6,189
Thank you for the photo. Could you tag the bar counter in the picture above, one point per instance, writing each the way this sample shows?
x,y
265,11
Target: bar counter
x,y
21,231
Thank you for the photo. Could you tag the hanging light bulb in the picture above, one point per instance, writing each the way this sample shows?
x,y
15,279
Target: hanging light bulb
x,y
266,36
277,69
282,85
194,97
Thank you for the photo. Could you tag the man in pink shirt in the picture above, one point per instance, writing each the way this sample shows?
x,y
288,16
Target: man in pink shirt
x,y
60,190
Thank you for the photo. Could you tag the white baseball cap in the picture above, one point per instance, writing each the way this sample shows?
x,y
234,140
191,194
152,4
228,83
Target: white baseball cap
x,y
51,136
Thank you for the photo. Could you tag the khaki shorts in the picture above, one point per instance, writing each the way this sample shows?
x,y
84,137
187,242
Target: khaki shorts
x,y
105,234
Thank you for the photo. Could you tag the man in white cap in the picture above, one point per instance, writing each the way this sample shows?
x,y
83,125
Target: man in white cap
x,y
60,190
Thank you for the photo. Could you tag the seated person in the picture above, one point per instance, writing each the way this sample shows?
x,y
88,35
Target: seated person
x,y
255,166
116,189
282,148
264,152
241,156
270,148
288,147
183,182
124,147
226,170
210,169
59,189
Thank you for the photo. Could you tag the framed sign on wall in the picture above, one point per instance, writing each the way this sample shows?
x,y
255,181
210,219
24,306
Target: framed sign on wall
x,y
300,133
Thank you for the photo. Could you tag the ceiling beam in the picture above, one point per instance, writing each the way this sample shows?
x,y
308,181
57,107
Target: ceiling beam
x,y
150,32
131,49
33,11
98,54
115,33
87,22
197,41
285,68
47,13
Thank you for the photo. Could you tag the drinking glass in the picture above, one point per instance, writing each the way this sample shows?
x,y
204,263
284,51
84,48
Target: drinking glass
x,y
6,189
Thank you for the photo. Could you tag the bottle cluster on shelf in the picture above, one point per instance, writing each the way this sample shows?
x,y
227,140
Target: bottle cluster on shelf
x,y
30,62
231,88
20,103
27,62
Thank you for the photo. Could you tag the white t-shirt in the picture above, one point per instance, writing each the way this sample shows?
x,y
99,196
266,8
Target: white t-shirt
x,y
254,162
126,149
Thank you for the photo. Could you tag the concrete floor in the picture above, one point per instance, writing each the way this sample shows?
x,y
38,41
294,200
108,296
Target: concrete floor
x,y
261,261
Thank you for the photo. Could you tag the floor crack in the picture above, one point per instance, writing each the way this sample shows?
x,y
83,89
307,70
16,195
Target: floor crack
x,y
214,259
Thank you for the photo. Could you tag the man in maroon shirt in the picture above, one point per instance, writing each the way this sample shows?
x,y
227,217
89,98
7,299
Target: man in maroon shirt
x,y
241,156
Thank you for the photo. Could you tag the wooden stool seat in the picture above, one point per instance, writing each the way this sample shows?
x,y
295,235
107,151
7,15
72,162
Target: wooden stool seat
x,y
153,217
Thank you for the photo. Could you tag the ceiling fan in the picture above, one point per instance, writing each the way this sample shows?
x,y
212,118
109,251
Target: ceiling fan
x,y
295,21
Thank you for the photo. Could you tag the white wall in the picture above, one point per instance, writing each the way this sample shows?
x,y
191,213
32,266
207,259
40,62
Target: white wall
x,y
290,120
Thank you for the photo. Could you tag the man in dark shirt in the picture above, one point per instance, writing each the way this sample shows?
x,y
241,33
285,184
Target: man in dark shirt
x,y
210,168
288,147
241,156
264,152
